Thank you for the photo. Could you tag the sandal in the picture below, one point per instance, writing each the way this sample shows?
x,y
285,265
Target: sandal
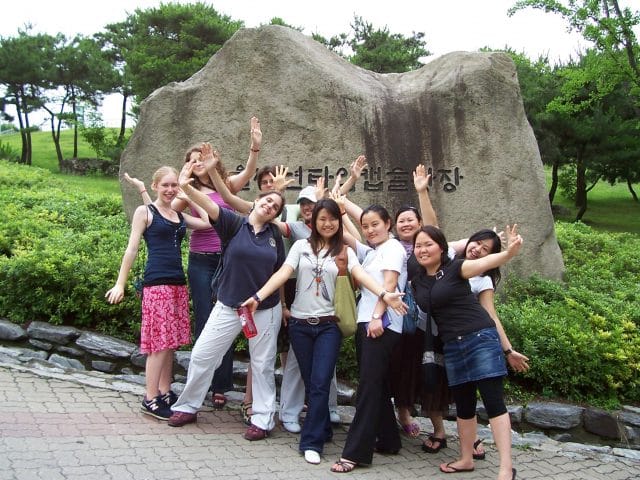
x,y
343,466
442,443
412,430
219,401
246,416
481,455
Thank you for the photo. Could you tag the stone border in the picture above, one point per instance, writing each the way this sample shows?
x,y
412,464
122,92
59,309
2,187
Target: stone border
x,y
71,348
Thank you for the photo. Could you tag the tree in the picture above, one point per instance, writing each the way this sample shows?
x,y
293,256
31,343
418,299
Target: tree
x,y
81,74
25,68
168,43
378,50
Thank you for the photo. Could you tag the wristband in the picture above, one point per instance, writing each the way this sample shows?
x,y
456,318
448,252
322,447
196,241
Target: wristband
x,y
507,352
143,191
256,298
255,150
382,294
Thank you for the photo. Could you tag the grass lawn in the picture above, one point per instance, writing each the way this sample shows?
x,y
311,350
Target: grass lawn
x,y
609,208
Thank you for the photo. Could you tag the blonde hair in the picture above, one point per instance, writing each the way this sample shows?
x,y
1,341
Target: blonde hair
x,y
161,172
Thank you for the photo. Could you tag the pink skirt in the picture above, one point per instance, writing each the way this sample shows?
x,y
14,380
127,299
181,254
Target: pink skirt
x,y
165,318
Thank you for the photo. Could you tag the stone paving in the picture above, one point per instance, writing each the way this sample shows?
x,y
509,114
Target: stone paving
x,y
56,424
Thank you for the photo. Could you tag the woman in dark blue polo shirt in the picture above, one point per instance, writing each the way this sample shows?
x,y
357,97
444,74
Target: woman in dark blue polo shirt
x,y
253,252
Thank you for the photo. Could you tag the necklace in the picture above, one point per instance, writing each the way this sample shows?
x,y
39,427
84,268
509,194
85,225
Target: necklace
x,y
317,271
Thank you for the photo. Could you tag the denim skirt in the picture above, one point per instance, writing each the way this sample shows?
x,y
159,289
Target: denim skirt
x,y
474,356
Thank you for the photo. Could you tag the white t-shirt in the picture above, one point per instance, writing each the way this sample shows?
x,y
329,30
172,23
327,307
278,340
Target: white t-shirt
x,y
314,298
388,256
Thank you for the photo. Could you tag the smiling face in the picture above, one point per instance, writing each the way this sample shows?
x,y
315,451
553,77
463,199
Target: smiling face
x,y
375,229
306,210
268,206
479,248
427,251
326,224
407,224
166,186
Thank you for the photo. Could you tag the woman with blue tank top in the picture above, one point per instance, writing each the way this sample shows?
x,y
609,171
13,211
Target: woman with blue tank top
x,y
165,322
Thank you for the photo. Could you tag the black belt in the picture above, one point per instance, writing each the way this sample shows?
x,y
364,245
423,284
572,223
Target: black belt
x,y
317,320
206,253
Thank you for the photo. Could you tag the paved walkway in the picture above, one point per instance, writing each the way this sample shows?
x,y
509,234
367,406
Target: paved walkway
x,y
59,425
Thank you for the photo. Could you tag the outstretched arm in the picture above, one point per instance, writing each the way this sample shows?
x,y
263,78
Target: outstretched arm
x,y
471,268
239,180
391,298
274,283
213,158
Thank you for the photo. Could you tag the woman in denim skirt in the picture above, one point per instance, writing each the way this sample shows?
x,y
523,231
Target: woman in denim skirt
x,y
474,358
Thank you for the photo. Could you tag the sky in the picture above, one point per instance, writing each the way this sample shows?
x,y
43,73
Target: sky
x,y
448,25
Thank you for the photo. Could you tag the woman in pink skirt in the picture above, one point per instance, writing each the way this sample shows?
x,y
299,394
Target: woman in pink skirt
x,y
165,300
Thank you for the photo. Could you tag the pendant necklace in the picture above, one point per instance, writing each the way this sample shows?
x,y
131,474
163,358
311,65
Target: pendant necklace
x,y
318,272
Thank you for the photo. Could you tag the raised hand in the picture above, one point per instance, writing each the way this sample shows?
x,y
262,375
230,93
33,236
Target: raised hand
x,y
256,134
280,180
209,157
358,165
421,179
320,190
139,184
514,240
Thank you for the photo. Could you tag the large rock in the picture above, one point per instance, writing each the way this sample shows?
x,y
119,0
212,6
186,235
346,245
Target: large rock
x,y
461,115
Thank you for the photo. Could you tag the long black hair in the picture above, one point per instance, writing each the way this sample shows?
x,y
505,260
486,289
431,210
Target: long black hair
x,y
496,247
315,240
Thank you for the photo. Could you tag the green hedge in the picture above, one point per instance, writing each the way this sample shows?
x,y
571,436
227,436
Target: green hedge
x,y
60,250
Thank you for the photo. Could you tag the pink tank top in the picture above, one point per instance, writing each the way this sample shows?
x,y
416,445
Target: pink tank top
x,y
206,241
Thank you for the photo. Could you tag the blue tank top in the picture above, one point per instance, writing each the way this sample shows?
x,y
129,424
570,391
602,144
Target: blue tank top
x,y
164,255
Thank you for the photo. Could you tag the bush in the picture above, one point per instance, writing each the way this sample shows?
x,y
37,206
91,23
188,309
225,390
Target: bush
x,y
7,152
582,337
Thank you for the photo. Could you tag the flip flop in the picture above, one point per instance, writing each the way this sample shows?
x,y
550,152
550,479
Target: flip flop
x,y
442,443
411,430
456,470
478,456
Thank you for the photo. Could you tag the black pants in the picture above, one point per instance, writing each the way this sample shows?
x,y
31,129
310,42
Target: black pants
x,y
374,423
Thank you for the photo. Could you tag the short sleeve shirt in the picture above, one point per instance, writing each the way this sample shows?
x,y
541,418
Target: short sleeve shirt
x,y
316,279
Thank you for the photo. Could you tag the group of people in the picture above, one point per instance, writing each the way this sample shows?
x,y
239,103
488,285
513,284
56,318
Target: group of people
x,y
241,244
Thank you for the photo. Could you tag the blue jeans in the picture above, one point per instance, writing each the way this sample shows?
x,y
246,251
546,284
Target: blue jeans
x,y
316,347
200,271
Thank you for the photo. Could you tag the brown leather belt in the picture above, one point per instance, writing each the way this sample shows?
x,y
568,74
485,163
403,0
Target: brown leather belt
x,y
317,320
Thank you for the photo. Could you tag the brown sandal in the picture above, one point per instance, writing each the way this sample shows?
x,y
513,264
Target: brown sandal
x,y
246,416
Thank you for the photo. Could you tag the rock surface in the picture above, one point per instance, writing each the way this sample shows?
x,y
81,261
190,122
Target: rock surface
x,y
461,115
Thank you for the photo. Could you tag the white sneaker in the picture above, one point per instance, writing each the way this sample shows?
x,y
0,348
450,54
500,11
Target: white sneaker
x,y
292,427
334,416
312,456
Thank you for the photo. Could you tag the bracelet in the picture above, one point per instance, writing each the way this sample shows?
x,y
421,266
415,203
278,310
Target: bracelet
x,y
255,150
382,294
342,212
143,191
256,298
507,352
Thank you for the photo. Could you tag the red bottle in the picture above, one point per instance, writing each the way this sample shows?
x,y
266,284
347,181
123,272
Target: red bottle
x,y
246,319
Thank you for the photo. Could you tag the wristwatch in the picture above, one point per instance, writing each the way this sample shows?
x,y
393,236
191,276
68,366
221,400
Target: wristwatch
x,y
507,352
376,316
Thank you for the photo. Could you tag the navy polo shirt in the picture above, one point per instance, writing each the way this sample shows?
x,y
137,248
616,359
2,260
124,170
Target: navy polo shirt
x,y
249,259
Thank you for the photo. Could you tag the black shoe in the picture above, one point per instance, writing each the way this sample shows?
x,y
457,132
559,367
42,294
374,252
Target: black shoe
x,y
156,408
170,398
